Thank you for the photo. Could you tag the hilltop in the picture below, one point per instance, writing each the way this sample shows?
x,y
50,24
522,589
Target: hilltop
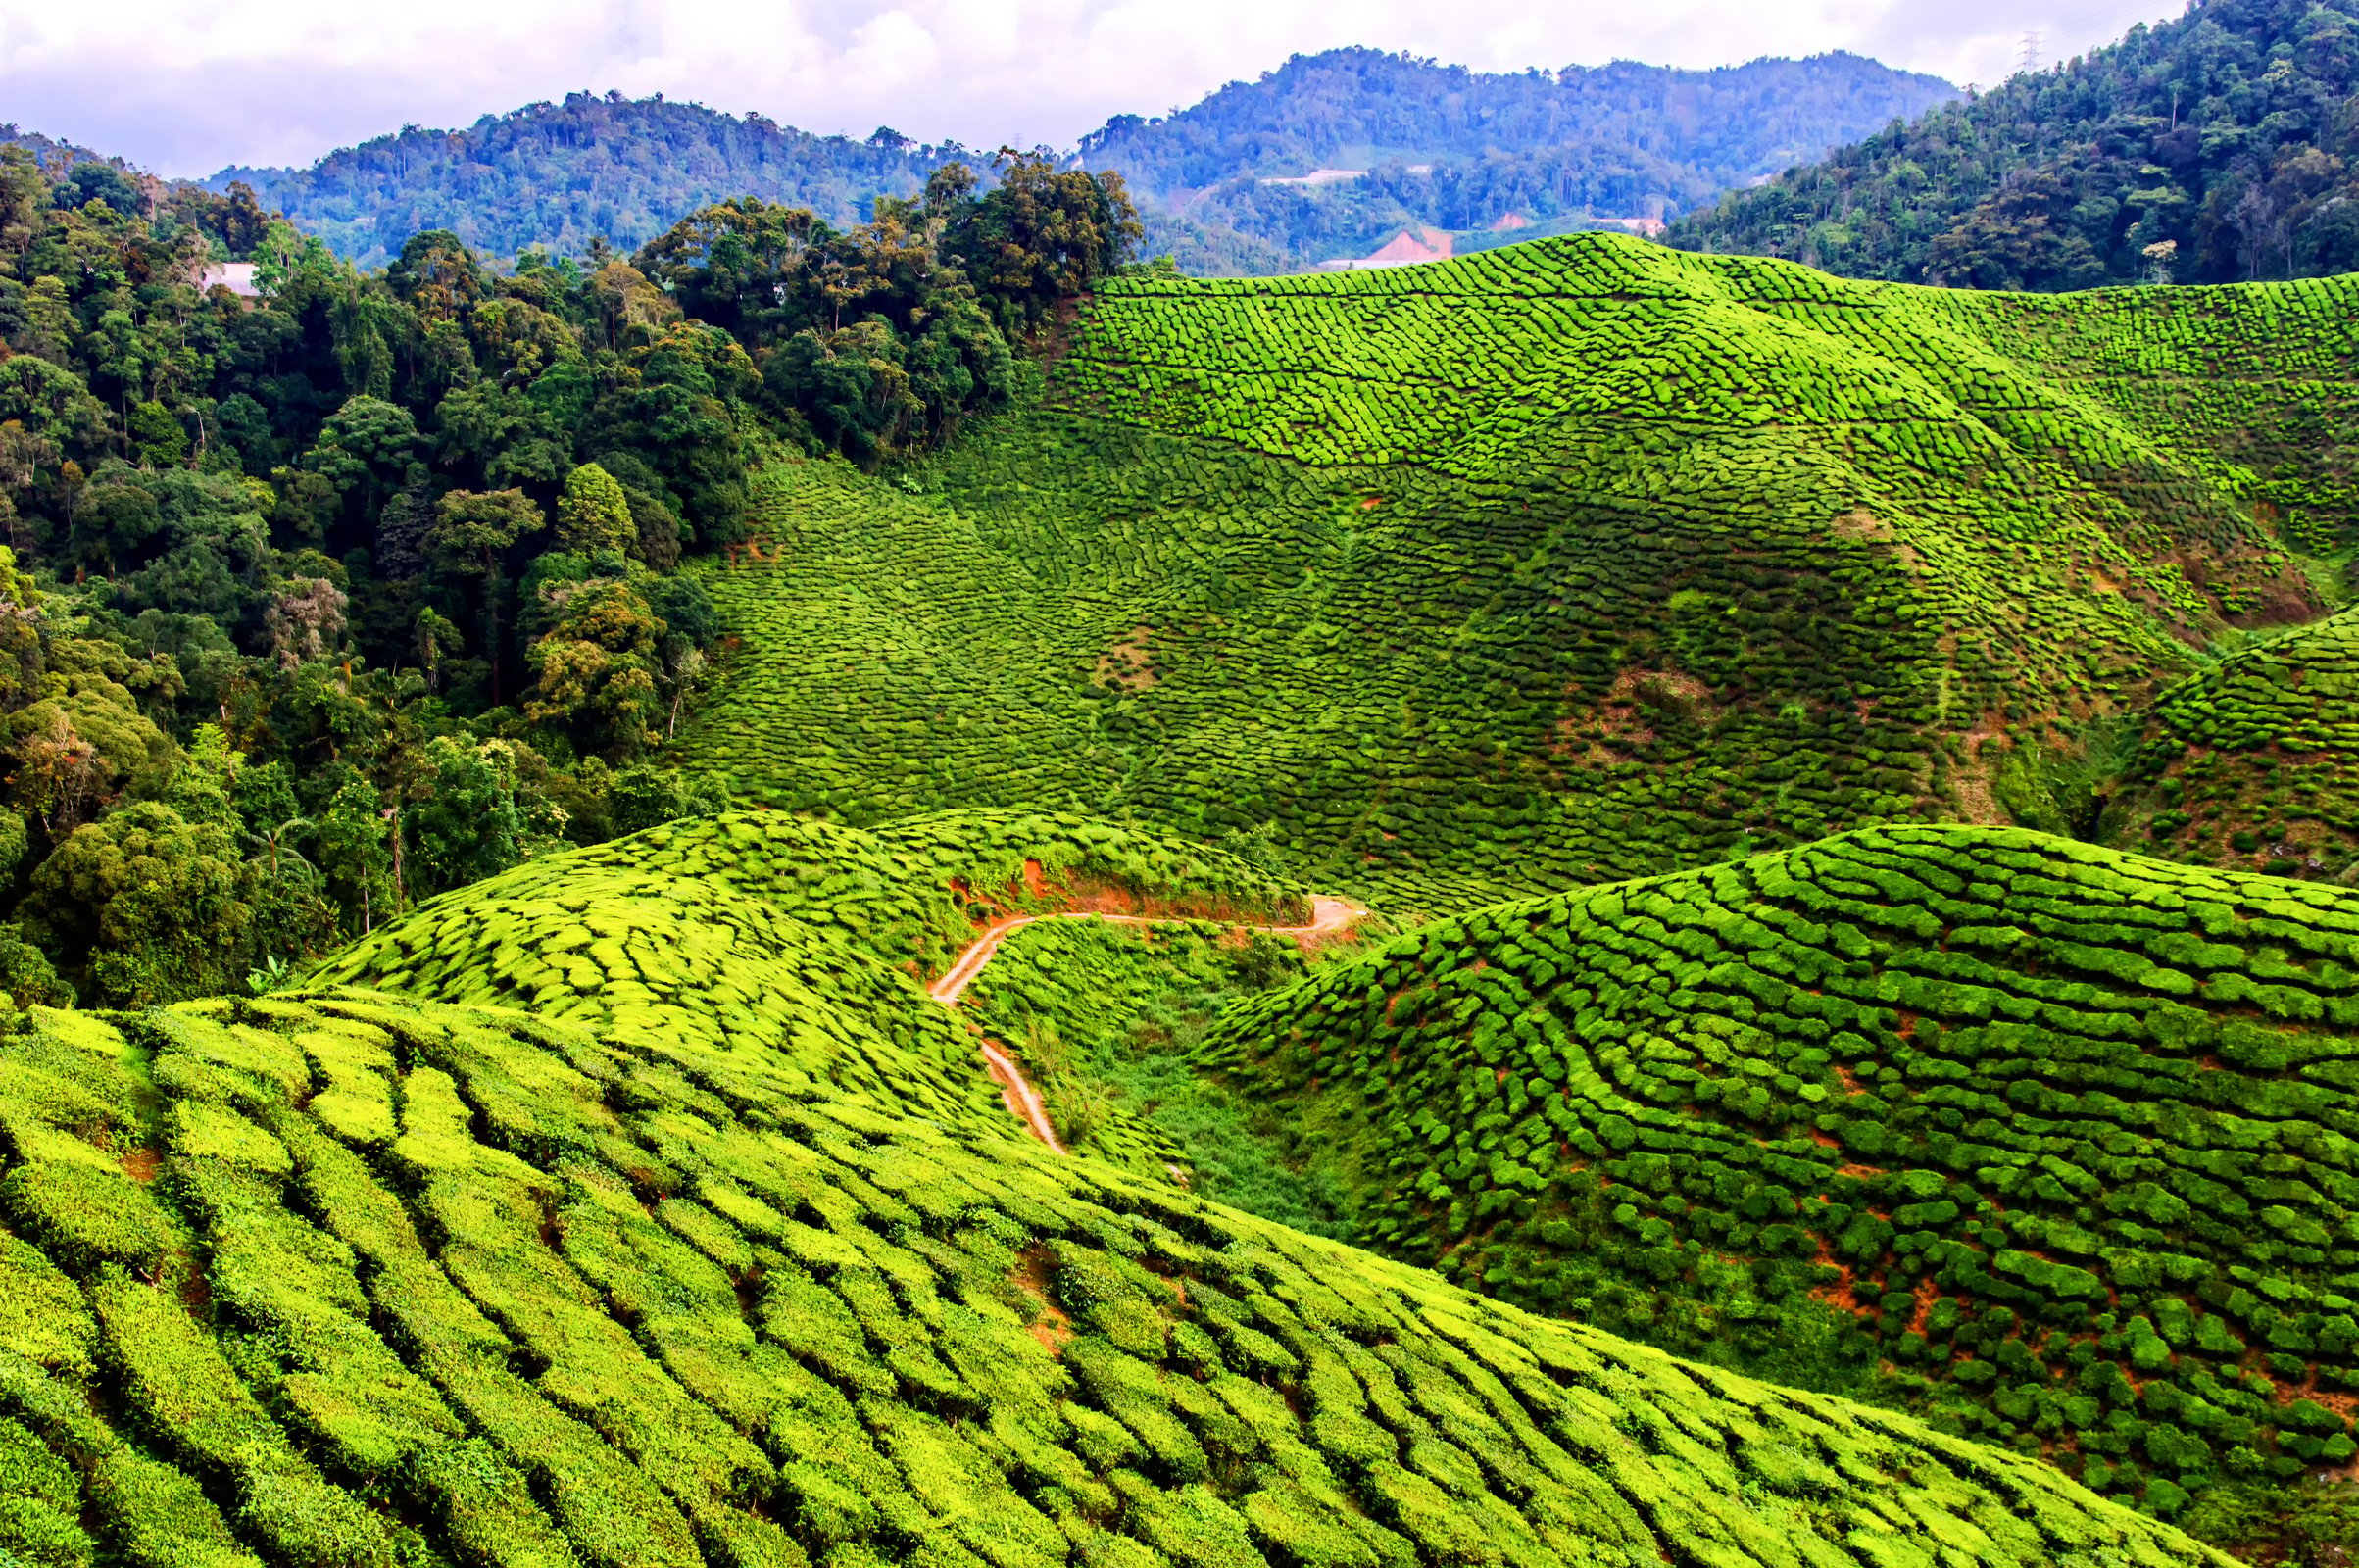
x,y
345,1276
2042,1138
2216,147
558,175
1578,560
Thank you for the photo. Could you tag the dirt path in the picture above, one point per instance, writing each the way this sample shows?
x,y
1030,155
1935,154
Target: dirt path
x,y
1023,1101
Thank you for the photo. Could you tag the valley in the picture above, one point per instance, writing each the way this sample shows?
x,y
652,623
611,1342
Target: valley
x,y
889,886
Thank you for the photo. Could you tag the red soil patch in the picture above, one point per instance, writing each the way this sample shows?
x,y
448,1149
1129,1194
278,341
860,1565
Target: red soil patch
x,y
142,1164
1928,1293
1053,1328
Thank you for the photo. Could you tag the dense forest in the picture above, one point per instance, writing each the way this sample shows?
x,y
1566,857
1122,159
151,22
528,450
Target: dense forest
x,y
557,176
328,599
2215,148
1465,151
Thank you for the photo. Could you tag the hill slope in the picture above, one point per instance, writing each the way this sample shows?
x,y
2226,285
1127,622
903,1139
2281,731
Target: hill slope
x,y
357,1279
2255,763
2212,148
1575,560
2046,1138
767,956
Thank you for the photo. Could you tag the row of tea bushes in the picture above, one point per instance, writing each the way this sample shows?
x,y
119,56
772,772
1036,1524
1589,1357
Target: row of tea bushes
x,y
2049,1141
1570,561
2255,763
559,1304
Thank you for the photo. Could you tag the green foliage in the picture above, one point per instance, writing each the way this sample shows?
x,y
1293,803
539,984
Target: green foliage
x,y
593,514
2035,1136
2213,147
147,906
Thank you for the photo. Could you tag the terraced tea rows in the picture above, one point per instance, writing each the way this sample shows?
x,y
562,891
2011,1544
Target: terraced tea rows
x,y
2255,763
1574,560
2048,1141
414,1283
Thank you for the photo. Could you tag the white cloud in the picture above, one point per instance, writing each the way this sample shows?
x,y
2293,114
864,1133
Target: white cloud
x,y
188,89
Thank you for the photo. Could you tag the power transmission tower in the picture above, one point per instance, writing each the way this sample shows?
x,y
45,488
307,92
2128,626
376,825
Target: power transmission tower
x,y
2030,60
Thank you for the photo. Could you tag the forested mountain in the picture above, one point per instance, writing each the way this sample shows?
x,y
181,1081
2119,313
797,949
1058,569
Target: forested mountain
x,y
359,586
560,176
2217,147
1437,145
1471,152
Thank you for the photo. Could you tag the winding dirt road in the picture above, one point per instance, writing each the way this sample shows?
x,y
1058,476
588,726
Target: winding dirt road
x,y
1327,915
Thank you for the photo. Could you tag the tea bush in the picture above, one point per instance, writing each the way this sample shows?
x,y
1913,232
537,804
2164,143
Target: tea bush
x,y
2254,763
2047,1140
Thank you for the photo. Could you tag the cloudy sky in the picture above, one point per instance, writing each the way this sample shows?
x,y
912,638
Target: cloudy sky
x,y
187,86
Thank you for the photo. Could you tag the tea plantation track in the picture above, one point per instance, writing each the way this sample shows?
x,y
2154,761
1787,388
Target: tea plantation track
x,y
1329,915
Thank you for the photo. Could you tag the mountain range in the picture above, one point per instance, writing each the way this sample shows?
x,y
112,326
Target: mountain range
x,y
1325,158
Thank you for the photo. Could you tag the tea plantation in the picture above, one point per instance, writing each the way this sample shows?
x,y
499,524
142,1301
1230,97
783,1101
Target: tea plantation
x,y
346,1278
2255,763
1567,562
2048,1141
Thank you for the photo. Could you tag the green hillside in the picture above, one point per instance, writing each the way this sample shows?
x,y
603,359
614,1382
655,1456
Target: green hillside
x,y
347,1278
2212,147
2254,763
1575,560
2044,1140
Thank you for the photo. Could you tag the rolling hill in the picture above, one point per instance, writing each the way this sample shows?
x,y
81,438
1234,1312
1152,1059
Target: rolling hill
x,y
1574,560
2042,1138
351,1276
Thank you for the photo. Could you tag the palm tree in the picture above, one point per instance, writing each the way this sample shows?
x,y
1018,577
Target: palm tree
x,y
276,841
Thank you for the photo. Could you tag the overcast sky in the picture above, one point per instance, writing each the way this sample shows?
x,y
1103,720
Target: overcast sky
x,y
187,86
